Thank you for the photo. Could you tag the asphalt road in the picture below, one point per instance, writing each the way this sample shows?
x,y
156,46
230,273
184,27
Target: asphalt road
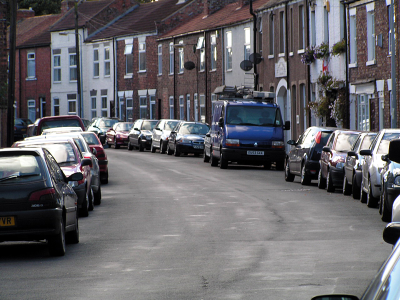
x,y
176,228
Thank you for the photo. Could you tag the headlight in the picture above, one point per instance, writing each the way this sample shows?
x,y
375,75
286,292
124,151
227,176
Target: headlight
x,y
184,141
73,183
339,165
397,180
278,144
232,142
149,136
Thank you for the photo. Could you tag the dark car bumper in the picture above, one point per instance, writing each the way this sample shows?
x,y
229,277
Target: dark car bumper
x,y
146,144
312,168
189,148
243,156
80,191
31,225
337,175
103,165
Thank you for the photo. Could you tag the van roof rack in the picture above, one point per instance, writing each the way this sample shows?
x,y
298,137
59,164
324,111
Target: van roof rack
x,y
242,92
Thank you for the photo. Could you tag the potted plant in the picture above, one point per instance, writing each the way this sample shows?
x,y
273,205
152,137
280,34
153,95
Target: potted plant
x,y
308,56
321,51
339,48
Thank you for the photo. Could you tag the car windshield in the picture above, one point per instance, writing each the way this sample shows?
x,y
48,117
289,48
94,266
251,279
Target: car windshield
x,y
191,128
170,125
124,126
20,167
107,123
345,141
149,125
253,116
91,139
63,152
367,141
59,123
384,144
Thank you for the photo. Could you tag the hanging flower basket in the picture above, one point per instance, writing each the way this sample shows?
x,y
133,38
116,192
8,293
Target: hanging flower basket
x,y
308,56
321,51
339,48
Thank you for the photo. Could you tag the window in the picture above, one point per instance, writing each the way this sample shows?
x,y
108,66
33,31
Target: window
x,y
247,41
71,104
203,108
181,58
281,32
271,34
213,44
171,58
32,110
96,64
152,107
56,107
171,107
57,65
229,50
188,107
107,66
129,109
353,37
181,108
94,107
142,56
159,53
291,37
363,112
31,69
313,29
302,41
143,106
73,71
390,29
128,59
104,106
200,46
371,33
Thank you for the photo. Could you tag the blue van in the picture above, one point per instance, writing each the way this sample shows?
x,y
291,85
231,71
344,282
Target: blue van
x,y
246,128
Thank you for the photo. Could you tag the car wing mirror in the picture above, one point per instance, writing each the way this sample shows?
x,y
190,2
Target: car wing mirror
x,y
391,233
221,122
352,153
287,125
366,152
291,142
94,151
326,149
75,177
208,134
86,162
394,153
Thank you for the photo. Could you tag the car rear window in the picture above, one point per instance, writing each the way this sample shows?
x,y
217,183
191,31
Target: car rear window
x,y
384,144
91,139
149,125
345,141
170,125
19,168
59,123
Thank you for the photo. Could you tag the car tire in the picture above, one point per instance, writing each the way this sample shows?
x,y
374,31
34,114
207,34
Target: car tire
x,y
386,214
176,151
330,188
57,243
321,180
363,195
371,200
162,147
152,149
223,162
346,186
91,200
206,158
169,151
355,188
72,237
305,178
104,179
84,211
116,146
130,147
289,177
141,148
97,197
213,159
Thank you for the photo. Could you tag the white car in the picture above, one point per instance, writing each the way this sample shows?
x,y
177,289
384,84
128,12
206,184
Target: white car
x,y
373,165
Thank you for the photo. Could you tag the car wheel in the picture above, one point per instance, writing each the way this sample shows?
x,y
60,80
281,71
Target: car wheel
x,y
130,147
346,186
305,179
97,197
213,159
176,151
57,243
141,148
371,200
162,147
329,183
321,180
116,146
363,195
104,179
386,213
91,200
206,158
84,211
223,162
72,237
289,177
355,188
169,151
152,149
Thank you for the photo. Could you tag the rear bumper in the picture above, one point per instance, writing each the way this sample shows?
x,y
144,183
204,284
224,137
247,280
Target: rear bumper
x,y
337,176
312,168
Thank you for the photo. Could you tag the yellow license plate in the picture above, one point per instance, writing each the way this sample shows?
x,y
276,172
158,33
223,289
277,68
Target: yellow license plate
x,y
7,221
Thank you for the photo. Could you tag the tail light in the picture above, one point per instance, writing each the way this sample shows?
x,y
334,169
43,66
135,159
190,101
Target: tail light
x,y
318,137
43,198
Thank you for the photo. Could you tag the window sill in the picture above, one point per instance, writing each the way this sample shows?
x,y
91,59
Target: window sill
x,y
56,82
96,77
143,71
213,70
128,76
301,51
107,76
290,53
281,55
353,65
271,56
31,78
171,74
230,70
371,62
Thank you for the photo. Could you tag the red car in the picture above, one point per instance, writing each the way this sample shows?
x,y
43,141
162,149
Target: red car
x,y
53,122
95,143
118,134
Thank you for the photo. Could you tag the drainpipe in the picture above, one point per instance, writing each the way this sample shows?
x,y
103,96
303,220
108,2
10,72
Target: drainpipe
x,y
116,98
393,103
347,58
308,66
254,44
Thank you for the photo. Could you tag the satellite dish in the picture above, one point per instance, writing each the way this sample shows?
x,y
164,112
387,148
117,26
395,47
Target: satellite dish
x,y
246,65
255,58
189,65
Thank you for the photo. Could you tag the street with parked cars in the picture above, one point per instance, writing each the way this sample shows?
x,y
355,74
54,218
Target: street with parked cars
x,y
182,230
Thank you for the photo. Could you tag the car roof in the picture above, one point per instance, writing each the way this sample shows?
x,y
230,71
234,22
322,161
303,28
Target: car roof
x,y
23,149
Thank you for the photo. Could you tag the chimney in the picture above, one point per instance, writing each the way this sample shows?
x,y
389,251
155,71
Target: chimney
x,y
66,5
206,8
25,13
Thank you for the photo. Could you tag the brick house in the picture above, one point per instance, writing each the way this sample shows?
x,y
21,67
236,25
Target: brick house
x,y
3,75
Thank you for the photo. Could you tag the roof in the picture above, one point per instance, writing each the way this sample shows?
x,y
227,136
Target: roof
x,y
230,14
141,18
34,31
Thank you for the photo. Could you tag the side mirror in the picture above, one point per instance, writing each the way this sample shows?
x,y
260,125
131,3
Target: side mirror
x,y
173,131
136,129
394,153
385,157
221,122
287,125
208,134
86,162
75,177
366,152
391,233
291,142
326,149
94,151
352,153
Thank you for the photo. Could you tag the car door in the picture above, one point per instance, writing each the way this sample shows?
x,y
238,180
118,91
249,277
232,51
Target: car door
x,y
172,137
325,156
297,154
110,134
135,132
157,132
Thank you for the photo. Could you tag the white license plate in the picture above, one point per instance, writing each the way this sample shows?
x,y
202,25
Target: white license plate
x,y
198,146
255,152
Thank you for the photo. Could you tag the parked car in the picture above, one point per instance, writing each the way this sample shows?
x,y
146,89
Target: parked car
x,y
161,133
140,135
71,160
333,157
97,148
303,158
373,165
55,121
118,134
20,128
390,181
58,130
101,125
187,137
87,123
386,283
36,200
353,163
